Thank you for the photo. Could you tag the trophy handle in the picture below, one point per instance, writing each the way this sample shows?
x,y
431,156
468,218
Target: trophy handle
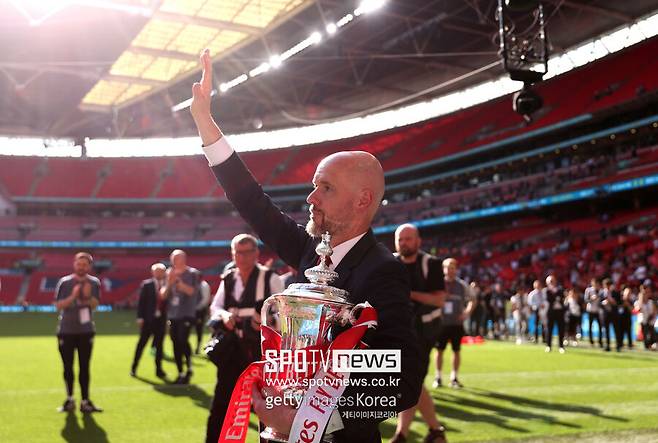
x,y
265,316
356,310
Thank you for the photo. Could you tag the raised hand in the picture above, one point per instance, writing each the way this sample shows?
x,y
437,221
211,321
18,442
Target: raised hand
x,y
200,107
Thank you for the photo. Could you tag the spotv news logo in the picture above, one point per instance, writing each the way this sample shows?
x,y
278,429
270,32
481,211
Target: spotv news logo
x,y
341,360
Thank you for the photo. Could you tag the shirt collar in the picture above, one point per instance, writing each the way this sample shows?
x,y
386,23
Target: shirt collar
x,y
341,250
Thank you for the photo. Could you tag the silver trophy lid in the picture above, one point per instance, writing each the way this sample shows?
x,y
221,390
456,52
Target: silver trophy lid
x,y
321,274
320,277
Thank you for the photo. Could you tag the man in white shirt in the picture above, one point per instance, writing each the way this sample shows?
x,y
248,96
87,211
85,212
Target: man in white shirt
x,y
236,305
536,303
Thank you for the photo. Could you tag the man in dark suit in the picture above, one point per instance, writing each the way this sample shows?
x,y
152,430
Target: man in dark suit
x,y
151,318
348,188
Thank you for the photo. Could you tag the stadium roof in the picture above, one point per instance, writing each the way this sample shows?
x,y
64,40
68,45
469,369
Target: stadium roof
x,y
121,68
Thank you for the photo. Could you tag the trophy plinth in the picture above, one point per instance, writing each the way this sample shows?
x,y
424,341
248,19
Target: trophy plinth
x,y
307,314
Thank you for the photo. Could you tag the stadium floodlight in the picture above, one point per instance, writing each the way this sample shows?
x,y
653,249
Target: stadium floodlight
x,y
524,50
275,61
331,28
315,38
260,69
344,20
367,6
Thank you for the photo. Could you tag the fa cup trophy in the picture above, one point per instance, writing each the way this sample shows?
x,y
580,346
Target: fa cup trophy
x,y
308,314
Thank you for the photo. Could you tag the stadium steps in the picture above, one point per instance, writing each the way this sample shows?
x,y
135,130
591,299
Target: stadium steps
x,y
103,174
22,292
39,174
169,170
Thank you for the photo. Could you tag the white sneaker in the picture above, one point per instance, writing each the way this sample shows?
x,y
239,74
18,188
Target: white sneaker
x,y
562,351
519,341
548,349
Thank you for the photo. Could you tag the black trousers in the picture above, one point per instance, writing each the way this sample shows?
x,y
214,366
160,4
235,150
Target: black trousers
x,y
555,317
594,317
179,331
538,324
68,343
648,333
610,319
478,322
573,321
228,372
624,330
155,328
199,324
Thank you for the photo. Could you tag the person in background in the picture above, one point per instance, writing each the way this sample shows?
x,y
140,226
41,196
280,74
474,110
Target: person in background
x,y
427,296
76,297
647,315
593,307
478,319
151,318
610,300
458,295
625,311
181,292
498,301
554,299
201,312
236,311
536,301
519,314
574,317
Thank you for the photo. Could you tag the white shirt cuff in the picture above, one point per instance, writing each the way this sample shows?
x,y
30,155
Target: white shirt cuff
x,y
218,152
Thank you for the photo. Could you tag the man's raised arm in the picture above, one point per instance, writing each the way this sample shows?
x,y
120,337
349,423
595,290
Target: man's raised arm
x,y
200,107
277,230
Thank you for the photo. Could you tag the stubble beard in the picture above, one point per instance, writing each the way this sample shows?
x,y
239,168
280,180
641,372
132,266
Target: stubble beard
x,y
407,252
333,227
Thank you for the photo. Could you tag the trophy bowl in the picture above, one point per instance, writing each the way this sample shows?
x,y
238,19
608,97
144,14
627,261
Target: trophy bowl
x,y
308,314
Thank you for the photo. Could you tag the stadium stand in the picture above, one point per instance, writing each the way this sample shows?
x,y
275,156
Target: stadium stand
x,y
593,88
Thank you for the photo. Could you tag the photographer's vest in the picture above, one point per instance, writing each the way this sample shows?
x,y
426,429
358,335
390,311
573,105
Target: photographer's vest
x,y
256,289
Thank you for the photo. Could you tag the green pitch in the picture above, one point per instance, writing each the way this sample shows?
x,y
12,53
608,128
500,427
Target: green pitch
x,y
512,392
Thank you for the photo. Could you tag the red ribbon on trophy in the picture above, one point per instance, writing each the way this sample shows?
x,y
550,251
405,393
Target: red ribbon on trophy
x,y
236,421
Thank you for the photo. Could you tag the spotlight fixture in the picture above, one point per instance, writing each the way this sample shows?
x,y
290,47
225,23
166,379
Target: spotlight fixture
x,y
524,50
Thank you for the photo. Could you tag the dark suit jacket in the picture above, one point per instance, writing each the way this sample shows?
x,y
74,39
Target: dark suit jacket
x,y
148,300
369,272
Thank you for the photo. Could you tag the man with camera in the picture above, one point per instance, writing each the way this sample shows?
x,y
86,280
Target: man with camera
x,y
181,291
235,320
76,297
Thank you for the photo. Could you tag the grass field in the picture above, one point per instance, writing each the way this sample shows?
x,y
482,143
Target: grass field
x,y
513,393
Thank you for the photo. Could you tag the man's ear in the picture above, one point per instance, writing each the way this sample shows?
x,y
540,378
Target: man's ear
x,y
366,197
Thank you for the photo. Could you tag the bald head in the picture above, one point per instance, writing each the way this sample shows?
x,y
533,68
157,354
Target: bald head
x,y
363,169
178,258
348,188
407,242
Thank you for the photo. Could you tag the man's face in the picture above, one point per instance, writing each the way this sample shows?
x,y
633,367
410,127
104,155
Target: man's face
x,y
245,256
179,260
450,270
159,273
332,201
81,266
407,242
